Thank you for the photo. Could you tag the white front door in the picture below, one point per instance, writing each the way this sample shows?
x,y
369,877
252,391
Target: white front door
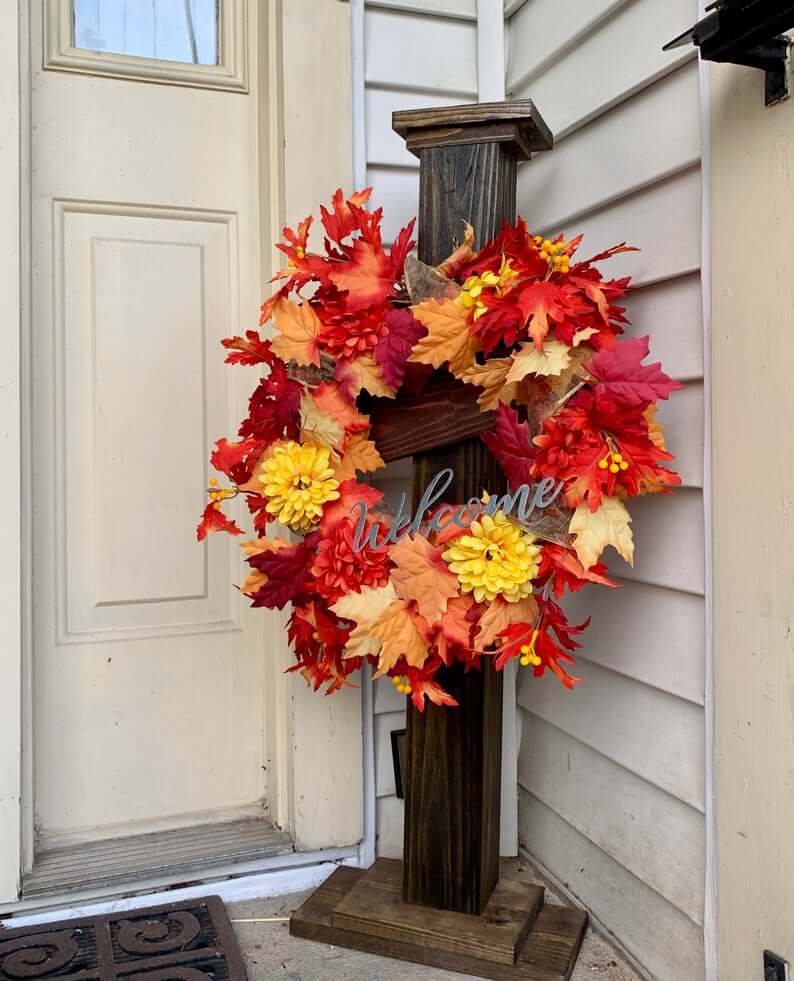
x,y
148,672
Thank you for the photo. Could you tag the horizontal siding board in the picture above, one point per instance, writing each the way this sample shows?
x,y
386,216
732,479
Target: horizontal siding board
x,y
389,814
654,836
463,9
384,767
682,416
671,313
576,87
623,150
443,52
384,146
663,221
398,192
654,635
664,940
654,734
669,545
540,31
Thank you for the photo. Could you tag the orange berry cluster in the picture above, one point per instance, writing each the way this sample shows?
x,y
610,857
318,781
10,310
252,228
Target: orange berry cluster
x,y
613,462
554,253
402,684
217,495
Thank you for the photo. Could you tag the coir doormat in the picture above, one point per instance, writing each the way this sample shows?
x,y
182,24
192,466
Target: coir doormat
x,y
188,941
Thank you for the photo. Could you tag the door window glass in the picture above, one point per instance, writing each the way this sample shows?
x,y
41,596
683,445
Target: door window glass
x,y
168,30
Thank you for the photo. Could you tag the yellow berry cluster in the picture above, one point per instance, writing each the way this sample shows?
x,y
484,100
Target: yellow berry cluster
x,y
471,295
300,252
217,495
614,462
402,684
554,253
528,655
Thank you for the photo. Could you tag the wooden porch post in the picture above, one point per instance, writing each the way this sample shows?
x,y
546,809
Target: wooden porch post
x,y
468,168
451,903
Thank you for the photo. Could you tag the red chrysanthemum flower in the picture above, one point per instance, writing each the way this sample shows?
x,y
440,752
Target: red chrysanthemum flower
x,y
349,335
339,570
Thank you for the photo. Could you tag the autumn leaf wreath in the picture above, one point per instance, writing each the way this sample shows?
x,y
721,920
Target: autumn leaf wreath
x,y
531,327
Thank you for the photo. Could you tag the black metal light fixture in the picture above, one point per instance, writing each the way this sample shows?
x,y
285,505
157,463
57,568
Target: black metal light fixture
x,y
746,32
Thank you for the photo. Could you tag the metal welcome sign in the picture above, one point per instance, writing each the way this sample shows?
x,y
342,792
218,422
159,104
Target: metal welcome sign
x,y
543,495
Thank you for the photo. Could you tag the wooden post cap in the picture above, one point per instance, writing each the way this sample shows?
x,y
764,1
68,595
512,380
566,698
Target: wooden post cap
x,y
518,125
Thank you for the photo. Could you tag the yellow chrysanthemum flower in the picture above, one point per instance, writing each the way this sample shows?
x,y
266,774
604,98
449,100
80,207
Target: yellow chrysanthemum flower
x,y
298,481
495,558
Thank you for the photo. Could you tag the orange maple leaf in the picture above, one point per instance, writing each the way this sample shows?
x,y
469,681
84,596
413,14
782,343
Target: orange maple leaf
x,y
454,627
402,633
360,454
447,339
421,574
500,614
331,402
539,303
298,328
366,277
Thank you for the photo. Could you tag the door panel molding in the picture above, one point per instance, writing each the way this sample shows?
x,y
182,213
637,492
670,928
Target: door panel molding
x,y
124,271
60,53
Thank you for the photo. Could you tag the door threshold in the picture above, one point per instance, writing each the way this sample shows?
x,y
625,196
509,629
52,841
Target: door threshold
x,y
180,855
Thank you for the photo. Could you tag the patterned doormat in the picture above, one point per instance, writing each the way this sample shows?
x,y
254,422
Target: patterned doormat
x,y
188,941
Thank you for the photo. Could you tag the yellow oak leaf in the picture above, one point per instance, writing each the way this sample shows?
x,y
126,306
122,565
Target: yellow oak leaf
x,y
258,546
360,454
462,253
421,574
317,427
447,339
551,359
499,615
363,375
491,378
402,634
655,429
255,581
298,328
363,609
582,335
609,525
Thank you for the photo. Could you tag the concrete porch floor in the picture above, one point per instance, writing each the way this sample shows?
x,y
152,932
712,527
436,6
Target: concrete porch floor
x,y
272,954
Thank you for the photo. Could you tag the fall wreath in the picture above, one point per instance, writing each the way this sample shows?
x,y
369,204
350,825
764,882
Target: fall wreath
x,y
536,331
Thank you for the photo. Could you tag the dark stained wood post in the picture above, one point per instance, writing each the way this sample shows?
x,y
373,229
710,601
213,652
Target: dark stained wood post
x,y
468,167
439,907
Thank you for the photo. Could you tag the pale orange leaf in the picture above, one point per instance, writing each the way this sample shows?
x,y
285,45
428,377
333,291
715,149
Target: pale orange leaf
x,y
298,328
421,574
448,339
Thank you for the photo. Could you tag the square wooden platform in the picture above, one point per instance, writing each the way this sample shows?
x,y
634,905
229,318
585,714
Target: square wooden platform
x,y
517,938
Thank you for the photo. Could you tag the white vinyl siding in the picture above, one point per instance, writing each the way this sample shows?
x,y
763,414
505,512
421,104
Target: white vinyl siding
x,y
612,776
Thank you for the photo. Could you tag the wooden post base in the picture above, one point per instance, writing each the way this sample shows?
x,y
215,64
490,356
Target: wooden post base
x,y
517,937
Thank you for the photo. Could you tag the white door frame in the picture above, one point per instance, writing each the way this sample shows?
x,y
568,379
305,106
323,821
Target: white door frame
x,y
316,795
12,147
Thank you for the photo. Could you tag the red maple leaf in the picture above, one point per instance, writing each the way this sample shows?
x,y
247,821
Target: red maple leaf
x,y
236,460
624,380
350,494
511,446
214,519
391,352
274,408
539,303
286,569
402,245
561,566
342,221
248,350
423,686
